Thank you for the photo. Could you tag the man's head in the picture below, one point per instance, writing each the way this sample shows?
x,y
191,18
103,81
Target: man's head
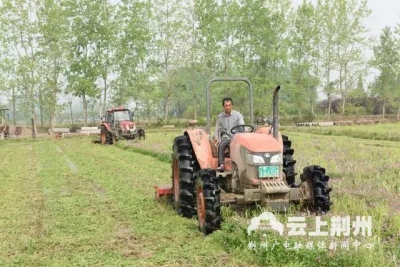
x,y
227,104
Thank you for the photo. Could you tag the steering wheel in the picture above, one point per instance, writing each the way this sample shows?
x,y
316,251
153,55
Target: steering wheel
x,y
243,128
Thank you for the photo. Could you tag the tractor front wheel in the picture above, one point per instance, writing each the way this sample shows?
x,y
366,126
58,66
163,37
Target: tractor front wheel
x,y
288,161
208,202
314,186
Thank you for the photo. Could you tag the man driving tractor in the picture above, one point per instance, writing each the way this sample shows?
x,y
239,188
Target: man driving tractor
x,y
225,122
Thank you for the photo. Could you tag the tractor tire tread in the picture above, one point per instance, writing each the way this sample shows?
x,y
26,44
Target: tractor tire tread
x,y
316,176
288,161
213,205
187,165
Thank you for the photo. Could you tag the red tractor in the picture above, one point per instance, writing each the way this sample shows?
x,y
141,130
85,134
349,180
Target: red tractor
x,y
117,124
259,169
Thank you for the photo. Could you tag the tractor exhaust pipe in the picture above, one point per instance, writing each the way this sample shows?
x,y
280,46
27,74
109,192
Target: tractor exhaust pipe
x,y
275,119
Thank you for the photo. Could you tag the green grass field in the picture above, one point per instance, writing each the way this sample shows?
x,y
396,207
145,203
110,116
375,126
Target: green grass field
x,y
70,202
381,131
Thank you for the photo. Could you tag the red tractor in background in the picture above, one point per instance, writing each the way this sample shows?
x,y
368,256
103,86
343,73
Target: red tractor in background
x,y
259,169
117,124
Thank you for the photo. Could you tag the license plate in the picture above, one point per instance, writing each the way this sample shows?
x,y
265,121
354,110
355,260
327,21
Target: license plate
x,y
268,171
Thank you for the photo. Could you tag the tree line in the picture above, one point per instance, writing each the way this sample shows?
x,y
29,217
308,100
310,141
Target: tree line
x,y
160,54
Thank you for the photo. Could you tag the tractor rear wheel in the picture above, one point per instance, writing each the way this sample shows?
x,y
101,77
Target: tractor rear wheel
x,y
113,139
288,162
183,180
314,184
105,136
208,202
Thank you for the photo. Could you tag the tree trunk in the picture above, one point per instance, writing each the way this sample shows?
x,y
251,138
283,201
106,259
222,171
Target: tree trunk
x,y
53,106
312,109
13,105
103,109
41,107
343,104
52,120
344,89
383,109
299,96
398,113
166,109
329,105
34,127
70,108
92,114
84,110
341,86
194,96
148,112
167,103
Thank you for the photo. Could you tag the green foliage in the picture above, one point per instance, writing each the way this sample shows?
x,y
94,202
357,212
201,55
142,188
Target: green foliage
x,y
159,55
355,110
386,57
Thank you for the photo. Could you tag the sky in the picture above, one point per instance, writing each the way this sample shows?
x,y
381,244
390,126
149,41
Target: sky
x,y
384,13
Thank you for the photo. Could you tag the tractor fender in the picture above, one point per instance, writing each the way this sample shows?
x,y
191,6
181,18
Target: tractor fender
x,y
107,125
202,148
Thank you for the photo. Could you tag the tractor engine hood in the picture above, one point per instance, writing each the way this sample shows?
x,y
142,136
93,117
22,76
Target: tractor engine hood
x,y
127,125
258,142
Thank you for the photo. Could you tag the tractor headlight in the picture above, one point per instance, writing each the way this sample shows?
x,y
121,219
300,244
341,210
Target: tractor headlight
x,y
276,159
263,158
254,159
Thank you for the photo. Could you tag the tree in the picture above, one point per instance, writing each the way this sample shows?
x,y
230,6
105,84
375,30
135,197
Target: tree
x,y
169,44
53,26
385,60
359,91
350,42
132,51
106,46
327,14
21,37
302,32
85,30
396,93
